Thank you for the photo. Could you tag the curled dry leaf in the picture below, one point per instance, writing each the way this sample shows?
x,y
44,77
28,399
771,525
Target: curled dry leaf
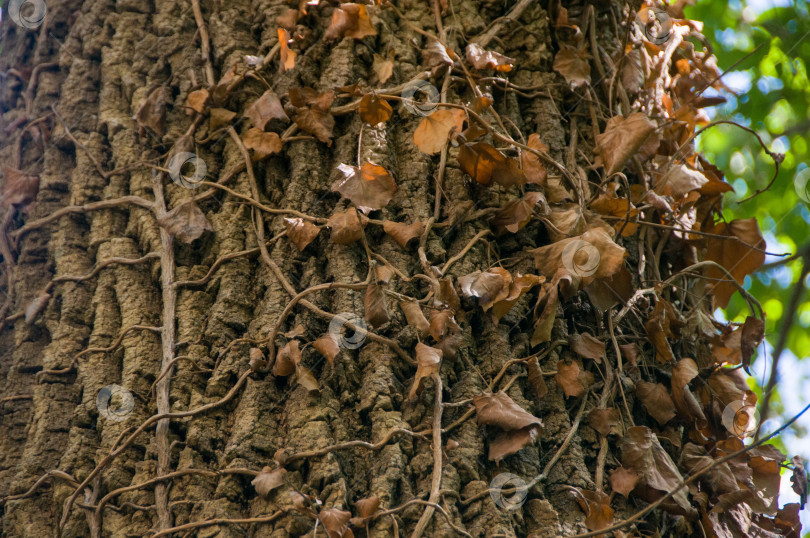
x,y
437,56
257,360
383,67
488,286
588,256
500,410
152,112
533,168
679,180
658,330
219,117
403,233
643,453
19,189
186,222
327,346
480,161
415,317
518,426
752,333
313,112
434,130
684,371
428,360
300,231
347,227
572,64
263,144
483,59
376,312
623,480
368,507
350,20
515,215
287,359
374,110
605,421
612,205
368,187
268,480
572,379
442,323
264,109
656,400
536,379
740,260
587,346
520,285
289,19
197,100
336,522
596,505
286,55
622,139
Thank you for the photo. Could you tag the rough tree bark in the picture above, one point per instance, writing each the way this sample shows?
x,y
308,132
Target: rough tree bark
x,y
82,76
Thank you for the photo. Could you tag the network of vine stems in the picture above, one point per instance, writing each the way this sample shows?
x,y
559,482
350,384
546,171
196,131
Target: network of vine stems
x,y
170,287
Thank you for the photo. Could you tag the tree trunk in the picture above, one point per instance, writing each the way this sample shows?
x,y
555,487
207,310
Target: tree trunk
x,y
136,399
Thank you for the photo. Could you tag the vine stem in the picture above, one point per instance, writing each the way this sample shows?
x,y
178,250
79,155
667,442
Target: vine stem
x,y
436,482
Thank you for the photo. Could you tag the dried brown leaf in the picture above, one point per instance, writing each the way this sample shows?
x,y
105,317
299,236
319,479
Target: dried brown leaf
x,y
376,312
573,65
587,346
350,20
368,187
656,400
374,110
516,214
268,480
327,346
347,227
740,260
483,59
415,317
403,233
266,108
19,189
428,360
643,453
623,480
263,144
300,231
186,222
622,139
433,131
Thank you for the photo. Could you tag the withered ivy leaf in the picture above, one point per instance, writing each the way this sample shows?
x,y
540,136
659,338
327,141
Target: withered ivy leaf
x,y
368,187
186,222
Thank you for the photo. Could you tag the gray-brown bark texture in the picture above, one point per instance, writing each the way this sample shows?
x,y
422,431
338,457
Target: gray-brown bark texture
x,y
89,68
